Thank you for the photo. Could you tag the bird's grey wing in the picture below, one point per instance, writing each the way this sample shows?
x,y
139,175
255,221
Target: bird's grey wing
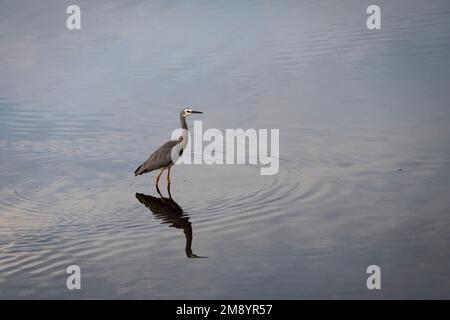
x,y
159,158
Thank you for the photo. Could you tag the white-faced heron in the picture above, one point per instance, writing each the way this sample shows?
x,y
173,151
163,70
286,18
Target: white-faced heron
x,y
166,155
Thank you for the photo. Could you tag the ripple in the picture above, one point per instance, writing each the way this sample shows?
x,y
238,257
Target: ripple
x,y
69,145
265,201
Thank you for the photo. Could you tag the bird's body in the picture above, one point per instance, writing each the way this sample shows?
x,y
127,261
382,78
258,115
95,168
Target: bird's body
x,y
168,154
160,158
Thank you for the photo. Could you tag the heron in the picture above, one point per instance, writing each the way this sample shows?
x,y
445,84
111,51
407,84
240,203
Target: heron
x,y
167,154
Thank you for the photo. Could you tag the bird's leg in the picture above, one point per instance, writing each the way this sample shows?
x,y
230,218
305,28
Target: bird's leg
x,y
168,191
159,192
159,175
168,175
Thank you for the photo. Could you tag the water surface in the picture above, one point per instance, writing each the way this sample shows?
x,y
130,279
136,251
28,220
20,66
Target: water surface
x,y
364,149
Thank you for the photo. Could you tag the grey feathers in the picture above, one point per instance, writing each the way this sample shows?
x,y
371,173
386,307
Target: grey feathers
x,y
159,158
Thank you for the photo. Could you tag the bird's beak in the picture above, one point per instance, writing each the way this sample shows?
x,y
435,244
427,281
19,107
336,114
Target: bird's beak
x,y
196,111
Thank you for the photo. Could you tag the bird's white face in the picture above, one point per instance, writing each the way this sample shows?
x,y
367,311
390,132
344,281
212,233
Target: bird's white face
x,y
188,111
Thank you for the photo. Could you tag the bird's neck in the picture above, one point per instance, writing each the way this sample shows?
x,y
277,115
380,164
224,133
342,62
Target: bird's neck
x,y
183,123
184,134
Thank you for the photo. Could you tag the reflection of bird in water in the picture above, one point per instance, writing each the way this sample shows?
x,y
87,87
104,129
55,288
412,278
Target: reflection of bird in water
x,y
169,211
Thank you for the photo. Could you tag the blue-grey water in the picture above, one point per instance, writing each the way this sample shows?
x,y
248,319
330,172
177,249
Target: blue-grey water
x,y
364,178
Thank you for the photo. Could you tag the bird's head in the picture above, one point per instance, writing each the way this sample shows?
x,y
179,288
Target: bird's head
x,y
188,111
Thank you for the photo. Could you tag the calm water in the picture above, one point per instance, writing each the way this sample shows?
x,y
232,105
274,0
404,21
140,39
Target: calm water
x,y
364,177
